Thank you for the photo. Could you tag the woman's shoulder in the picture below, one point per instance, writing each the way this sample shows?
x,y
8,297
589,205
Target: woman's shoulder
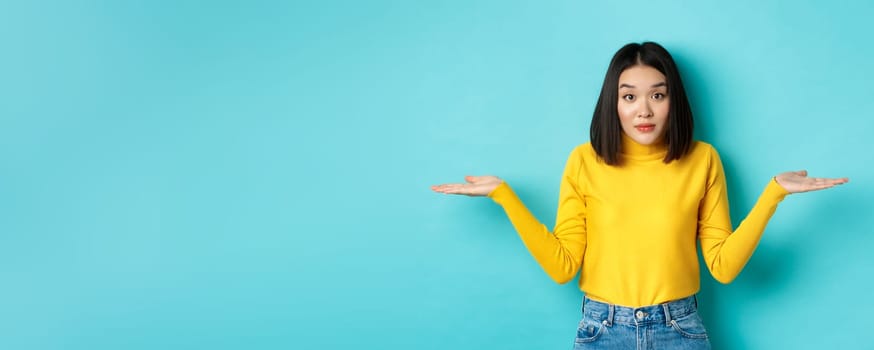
x,y
584,151
701,148
584,147
702,152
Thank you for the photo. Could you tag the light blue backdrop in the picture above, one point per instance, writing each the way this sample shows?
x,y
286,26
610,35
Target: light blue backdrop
x,y
255,175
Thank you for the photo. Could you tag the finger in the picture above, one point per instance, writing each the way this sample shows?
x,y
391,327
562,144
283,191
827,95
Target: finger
x,y
802,172
456,189
474,179
840,180
821,186
453,187
837,181
444,187
831,181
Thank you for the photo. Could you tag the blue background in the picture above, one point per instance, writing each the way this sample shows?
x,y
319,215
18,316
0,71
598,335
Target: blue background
x,y
230,175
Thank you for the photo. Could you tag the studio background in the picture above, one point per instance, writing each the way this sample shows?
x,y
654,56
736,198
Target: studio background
x,y
255,175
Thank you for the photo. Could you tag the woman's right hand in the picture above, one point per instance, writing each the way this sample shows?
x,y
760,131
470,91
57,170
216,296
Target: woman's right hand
x,y
475,186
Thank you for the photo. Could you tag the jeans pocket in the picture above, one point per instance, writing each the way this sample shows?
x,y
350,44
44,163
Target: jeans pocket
x,y
690,326
589,330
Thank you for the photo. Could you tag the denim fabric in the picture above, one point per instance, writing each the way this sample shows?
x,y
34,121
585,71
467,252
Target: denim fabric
x,y
672,325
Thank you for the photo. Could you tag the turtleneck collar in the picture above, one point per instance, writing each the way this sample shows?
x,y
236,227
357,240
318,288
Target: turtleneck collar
x,y
633,150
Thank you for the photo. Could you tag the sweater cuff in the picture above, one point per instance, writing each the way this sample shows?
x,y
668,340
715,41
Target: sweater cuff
x,y
502,193
775,191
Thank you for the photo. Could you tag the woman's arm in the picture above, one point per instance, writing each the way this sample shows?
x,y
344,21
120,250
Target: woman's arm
x,y
560,254
726,252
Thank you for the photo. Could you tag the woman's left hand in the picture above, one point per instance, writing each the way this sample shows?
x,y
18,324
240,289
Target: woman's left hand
x,y
797,181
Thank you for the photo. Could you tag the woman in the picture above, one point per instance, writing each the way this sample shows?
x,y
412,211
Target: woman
x,y
632,203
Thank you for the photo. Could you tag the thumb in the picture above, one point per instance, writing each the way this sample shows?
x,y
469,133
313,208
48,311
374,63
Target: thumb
x,y
802,172
471,179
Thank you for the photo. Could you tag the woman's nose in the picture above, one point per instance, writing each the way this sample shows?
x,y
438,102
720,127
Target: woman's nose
x,y
645,111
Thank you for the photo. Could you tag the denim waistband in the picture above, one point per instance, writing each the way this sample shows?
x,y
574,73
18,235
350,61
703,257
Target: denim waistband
x,y
664,313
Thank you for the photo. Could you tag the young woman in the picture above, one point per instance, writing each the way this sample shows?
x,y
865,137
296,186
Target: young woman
x,y
632,203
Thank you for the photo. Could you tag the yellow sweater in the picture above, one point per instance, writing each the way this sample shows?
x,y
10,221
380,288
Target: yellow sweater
x,y
632,228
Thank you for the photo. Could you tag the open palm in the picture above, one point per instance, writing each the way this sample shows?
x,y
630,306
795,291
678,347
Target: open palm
x,y
475,186
797,181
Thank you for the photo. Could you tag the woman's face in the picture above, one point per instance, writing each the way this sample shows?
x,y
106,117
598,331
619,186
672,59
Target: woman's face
x,y
643,104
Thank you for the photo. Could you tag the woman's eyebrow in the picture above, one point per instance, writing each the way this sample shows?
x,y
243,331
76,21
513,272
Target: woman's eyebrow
x,y
632,86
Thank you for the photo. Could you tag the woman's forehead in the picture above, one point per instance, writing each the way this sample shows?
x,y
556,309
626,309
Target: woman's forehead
x,y
641,76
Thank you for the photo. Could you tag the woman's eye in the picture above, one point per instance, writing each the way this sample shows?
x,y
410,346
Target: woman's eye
x,y
658,96
628,97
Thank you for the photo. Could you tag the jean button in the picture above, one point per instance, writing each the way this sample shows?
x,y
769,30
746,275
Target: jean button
x,y
639,314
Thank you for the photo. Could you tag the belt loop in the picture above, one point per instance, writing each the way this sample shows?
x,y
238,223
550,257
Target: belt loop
x,y
695,296
611,307
667,314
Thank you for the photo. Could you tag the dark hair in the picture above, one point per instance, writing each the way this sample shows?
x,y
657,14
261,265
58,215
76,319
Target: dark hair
x,y
606,131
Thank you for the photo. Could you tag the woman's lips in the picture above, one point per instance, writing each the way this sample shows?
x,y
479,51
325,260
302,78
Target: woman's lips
x,y
645,127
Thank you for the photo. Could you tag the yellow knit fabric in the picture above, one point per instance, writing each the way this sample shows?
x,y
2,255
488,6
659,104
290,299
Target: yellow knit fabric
x,y
632,228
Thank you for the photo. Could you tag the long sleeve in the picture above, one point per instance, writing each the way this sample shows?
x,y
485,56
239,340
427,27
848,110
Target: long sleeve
x,y
726,252
559,253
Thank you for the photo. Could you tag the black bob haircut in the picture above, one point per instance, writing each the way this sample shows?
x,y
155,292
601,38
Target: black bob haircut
x,y
606,131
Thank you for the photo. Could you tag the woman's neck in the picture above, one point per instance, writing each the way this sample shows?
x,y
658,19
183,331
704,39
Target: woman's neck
x,y
633,150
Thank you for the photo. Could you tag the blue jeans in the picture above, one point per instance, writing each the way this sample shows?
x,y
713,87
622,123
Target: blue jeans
x,y
672,325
